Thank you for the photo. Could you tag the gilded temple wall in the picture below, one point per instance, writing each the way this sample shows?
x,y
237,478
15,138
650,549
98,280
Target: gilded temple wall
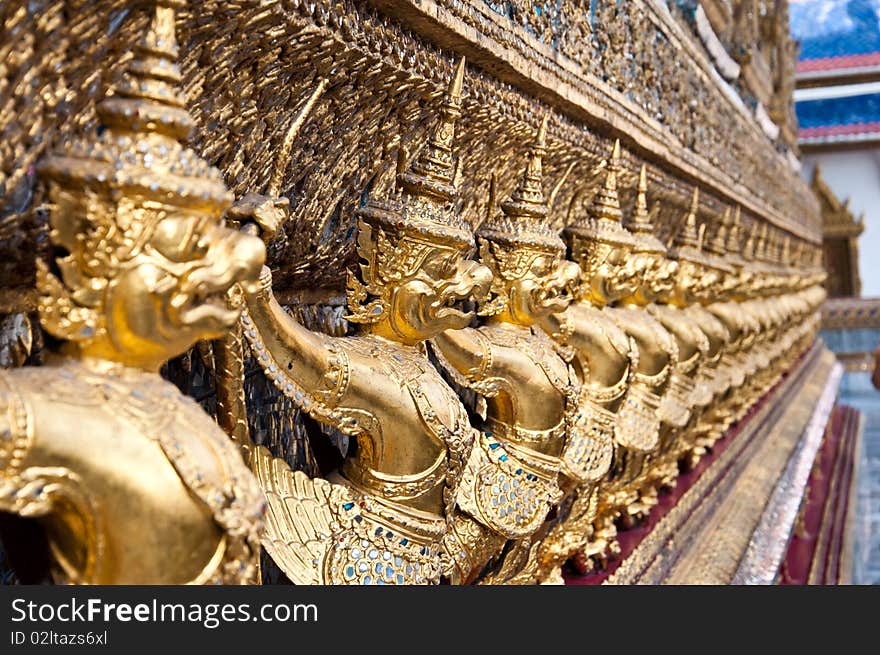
x,y
637,71
600,71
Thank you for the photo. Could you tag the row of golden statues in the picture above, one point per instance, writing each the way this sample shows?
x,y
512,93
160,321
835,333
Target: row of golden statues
x,y
602,360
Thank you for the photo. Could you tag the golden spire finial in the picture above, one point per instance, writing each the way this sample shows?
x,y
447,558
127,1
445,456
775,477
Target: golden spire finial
x,y
761,247
606,203
733,236
140,152
602,222
432,173
641,222
150,81
528,198
748,251
717,245
798,254
785,254
425,207
641,225
688,237
522,220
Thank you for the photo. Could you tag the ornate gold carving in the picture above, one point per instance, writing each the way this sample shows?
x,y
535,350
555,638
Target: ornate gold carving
x,y
414,274
142,269
592,379
511,481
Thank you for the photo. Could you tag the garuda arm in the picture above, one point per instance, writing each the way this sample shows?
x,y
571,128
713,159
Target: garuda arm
x,y
304,365
307,519
597,339
469,357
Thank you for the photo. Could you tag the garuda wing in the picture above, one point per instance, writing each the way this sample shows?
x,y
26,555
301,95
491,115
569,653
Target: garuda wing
x,y
322,532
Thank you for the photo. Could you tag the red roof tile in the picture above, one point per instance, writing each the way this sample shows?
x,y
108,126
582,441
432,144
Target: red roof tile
x,y
835,63
839,130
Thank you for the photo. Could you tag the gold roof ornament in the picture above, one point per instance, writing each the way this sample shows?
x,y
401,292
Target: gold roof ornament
x,y
748,250
424,206
687,243
797,255
641,225
776,247
716,247
603,219
734,246
761,247
522,222
785,252
138,148
734,236
770,250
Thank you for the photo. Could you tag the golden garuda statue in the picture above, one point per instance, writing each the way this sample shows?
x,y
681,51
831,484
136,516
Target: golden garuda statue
x,y
697,281
671,290
531,433
736,362
615,280
606,359
382,517
132,482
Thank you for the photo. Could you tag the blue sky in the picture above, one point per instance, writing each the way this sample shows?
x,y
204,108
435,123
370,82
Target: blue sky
x,y
827,28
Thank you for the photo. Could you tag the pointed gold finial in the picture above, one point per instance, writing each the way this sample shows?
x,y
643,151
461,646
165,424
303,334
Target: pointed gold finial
x,y
717,245
146,99
423,204
521,221
749,250
141,149
688,237
433,171
733,236
798,255
606,203
528,198
602,221
761,247
785,255
641,225
641,222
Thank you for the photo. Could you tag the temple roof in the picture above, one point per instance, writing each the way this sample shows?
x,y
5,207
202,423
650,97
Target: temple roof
x,y
837,218
847,118
836,34
839,47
